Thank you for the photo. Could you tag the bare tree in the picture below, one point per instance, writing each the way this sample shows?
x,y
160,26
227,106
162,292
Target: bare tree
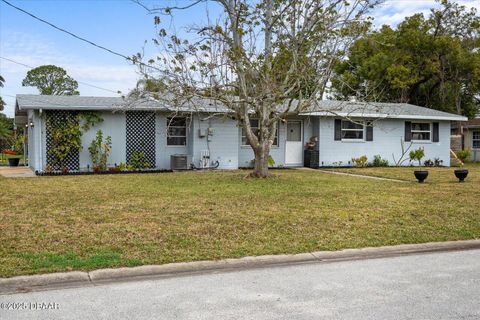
x,y
265,59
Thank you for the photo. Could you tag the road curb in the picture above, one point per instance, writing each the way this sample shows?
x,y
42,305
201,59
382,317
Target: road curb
x,y
78,278
49,280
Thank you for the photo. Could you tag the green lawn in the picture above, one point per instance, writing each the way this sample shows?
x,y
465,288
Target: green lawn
x,y
52,224
436,174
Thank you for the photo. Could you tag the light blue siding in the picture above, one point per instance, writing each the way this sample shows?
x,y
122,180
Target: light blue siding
x,y
113,125
221,144
387,135
224,144
162,150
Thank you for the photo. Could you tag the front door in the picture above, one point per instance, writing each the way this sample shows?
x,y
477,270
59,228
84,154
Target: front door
x,y
294,143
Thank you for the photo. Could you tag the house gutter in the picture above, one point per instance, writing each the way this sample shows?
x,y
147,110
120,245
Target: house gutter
x,y
385,116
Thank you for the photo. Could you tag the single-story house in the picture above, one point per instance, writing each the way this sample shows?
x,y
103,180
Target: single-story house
x,y
205,135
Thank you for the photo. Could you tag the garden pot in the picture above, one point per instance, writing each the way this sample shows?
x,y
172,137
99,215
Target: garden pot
x,y
461,174
421,175
13,162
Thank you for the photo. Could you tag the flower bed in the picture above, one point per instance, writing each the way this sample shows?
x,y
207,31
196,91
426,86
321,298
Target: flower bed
x,y
80,173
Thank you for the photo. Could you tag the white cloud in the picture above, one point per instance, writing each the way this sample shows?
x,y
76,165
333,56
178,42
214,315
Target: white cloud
x,y
34,50
392,12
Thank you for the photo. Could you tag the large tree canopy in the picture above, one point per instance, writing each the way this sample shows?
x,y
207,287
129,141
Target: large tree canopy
x,y
432,62
261,59
51,80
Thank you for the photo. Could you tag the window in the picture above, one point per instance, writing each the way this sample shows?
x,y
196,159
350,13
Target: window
x,y
476,140
254,125
176,131
421,131
352,130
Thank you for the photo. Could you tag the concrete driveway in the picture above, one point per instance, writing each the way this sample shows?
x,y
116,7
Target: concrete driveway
x,y
426,286
17,172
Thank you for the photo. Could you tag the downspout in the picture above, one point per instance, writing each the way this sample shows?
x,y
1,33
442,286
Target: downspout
x,y
26,136
40,138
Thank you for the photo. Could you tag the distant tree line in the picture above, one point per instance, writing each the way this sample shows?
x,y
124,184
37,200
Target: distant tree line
x,y
429,61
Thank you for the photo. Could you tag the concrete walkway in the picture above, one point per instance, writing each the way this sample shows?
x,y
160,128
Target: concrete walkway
x,y
360,176
440,286
16,172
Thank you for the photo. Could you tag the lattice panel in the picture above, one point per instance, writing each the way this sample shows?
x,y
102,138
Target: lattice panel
x,y
141,134
58,118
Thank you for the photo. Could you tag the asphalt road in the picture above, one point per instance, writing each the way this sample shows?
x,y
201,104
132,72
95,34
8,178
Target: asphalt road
x,y
429,286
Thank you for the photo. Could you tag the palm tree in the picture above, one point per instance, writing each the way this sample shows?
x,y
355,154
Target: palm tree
x,y
2,103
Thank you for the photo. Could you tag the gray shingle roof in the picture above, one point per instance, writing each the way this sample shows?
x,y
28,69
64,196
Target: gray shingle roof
x,y
32,101
321,108
379,110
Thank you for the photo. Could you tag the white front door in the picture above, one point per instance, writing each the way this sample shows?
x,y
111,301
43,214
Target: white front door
x,y
294,143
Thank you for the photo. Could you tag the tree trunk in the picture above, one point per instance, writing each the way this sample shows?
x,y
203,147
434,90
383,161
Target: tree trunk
x,y
262,153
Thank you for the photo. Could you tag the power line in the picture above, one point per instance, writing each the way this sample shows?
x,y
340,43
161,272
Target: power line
x,y
79,37
84,83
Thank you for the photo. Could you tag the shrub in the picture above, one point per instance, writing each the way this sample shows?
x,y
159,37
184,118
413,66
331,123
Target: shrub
x,y
463,155
99,151
270,162
435,163
18,147
361,161
122,166
417,155
379,162
138,161
428,163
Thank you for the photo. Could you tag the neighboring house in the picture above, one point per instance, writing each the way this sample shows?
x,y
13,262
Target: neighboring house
x,y
207,134
471,137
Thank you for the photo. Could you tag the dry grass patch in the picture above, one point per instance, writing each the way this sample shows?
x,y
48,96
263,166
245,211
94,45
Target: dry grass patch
x,y
85,222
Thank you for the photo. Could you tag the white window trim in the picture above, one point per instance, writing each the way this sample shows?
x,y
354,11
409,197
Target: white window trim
x,y
169,136
422,131
473,140
353,140
245,146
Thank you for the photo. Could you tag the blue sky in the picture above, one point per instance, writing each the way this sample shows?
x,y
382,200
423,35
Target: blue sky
x,y
120,25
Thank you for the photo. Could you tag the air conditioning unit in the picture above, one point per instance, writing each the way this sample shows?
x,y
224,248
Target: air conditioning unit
x,y
180,162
